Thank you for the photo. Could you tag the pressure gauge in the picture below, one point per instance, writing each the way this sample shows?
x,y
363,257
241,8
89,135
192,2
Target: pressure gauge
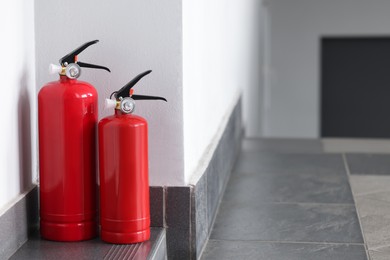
x,y
73,71
127,105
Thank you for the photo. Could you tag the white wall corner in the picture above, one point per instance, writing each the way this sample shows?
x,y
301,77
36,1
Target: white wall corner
x,y
18,155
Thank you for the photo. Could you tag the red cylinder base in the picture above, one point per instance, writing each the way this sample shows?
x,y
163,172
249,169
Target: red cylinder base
x,y
125,238
69,231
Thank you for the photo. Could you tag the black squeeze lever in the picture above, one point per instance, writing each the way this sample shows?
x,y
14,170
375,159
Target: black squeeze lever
x,y
72,57
125,90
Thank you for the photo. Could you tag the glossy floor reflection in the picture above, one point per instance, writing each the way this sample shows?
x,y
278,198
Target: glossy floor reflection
x,y
288,199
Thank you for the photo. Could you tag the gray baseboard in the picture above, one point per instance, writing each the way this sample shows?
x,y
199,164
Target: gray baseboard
x,y
188,212
17,223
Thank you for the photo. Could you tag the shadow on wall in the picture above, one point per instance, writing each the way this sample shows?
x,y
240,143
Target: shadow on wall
x,y
25,155
24,123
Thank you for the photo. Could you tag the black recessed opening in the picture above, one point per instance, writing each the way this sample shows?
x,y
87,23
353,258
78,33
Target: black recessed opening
x,y
355,87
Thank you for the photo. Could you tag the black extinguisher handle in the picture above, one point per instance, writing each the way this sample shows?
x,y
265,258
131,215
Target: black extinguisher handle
x,y
125,91
92,66
143,97
72,57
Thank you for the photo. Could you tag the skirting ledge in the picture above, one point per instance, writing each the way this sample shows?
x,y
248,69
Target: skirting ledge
x,y
188,212
18,222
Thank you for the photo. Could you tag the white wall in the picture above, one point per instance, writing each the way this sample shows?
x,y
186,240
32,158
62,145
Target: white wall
x,y
134,36
18,106
219,60
138,35
296,27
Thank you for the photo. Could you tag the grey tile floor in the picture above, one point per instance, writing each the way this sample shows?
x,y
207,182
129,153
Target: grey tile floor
x,y
288,199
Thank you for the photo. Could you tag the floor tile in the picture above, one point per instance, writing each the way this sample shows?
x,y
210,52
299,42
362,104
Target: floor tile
x,y
297,187
372,164
372,196
287,222
374,212
365,184
281,251
282,145
260,162
355,145
380,253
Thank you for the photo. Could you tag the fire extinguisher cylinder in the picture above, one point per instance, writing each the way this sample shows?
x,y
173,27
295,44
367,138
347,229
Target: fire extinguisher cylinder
x,y
67,120
123,168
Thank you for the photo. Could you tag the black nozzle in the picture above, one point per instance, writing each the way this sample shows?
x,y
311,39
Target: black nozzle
x,y
125,90
72,57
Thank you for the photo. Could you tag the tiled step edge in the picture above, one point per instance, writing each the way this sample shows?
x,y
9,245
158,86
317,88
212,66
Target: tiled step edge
x,y
37,248
159,249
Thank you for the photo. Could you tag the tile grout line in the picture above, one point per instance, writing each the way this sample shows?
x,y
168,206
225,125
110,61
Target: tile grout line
x,y
267,173
164,211
356,208
379,247
203,249
288,242
371,192
346,165
305,203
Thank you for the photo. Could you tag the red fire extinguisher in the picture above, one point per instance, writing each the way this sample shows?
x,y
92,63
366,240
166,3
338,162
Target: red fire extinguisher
x,y
123,165
67,120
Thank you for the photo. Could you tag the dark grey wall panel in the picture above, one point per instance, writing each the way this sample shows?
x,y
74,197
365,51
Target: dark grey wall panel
x,y
355,87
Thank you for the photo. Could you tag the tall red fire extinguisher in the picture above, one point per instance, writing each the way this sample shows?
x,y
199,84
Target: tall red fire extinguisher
x,y
123,165
67,120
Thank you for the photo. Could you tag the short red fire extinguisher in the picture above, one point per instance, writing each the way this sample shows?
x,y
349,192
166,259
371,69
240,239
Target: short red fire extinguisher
x,y
67,121
123,165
